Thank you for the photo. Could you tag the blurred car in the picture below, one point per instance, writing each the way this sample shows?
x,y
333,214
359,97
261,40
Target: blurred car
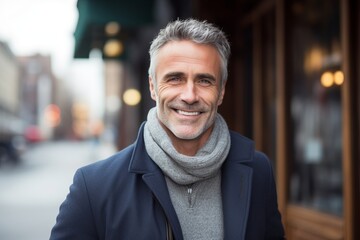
x,y
33,134
10,151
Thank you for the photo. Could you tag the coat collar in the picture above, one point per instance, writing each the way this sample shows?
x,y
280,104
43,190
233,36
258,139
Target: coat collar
x,y
235,184
140,160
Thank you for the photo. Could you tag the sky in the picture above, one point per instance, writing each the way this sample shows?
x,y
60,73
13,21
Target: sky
x,y
40,26
47,27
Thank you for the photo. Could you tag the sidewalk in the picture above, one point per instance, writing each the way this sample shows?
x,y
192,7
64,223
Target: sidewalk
x,y
31,193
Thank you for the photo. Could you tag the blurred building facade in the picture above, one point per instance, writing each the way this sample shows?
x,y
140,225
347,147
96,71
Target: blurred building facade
x,y
11,123
34,105
38,93
293,87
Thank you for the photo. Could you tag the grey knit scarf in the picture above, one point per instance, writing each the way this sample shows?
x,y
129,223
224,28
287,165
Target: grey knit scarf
x,y
184,169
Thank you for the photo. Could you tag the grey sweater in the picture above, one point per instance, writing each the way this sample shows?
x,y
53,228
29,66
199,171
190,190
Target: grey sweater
x,y
199,208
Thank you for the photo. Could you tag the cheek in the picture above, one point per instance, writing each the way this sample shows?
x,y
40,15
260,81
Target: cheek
x,y
165,93
212,98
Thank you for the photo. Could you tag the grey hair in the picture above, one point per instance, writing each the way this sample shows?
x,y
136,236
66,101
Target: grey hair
x,y
197,31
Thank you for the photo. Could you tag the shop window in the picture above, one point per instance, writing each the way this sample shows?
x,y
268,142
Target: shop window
x,y
316,170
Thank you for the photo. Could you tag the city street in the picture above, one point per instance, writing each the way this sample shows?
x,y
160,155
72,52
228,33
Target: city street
x,y
31,192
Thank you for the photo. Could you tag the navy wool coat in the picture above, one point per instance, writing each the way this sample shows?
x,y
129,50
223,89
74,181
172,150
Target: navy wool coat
x,y
126,197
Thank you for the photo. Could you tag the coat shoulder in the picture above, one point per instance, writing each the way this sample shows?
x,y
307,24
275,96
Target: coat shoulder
x,y
113,163
244,150
240,139
104,175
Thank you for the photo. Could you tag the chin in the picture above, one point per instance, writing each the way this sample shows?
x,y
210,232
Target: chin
x,y
187,135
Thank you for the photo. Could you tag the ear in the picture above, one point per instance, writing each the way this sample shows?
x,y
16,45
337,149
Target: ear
x,y
221,97
152,89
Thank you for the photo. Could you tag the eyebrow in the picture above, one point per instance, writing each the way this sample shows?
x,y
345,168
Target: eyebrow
x,y
174,74
197,76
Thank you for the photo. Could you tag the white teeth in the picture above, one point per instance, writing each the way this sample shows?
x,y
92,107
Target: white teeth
x,y
188,113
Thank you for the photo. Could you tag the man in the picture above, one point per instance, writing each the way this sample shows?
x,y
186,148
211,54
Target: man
x,y
186,176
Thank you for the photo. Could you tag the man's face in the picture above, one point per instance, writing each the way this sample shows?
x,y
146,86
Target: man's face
x,y
187,89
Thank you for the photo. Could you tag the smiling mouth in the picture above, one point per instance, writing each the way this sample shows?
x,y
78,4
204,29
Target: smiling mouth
x,y
185,113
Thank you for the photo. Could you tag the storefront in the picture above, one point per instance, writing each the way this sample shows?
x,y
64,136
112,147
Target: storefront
x,y
294,89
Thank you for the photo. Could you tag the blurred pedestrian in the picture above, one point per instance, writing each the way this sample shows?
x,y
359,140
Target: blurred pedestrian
x,y
187,176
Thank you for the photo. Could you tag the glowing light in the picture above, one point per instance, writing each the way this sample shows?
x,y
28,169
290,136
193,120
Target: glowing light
x,y
112,28
80,111
52,115
327,79
132,97
314,59
113,48
80,114
339,78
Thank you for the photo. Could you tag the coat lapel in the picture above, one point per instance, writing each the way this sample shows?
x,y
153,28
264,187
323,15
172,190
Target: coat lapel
x,y
236,187
156,182
236,190
141,163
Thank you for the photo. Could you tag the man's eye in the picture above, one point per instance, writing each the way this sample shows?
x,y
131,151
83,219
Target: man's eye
x,y
205,82
174,79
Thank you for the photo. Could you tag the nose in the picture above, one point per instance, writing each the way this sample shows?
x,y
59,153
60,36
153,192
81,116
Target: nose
x,y
189,93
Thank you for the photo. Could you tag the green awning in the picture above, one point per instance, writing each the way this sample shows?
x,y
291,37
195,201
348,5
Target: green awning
x,y
95,14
